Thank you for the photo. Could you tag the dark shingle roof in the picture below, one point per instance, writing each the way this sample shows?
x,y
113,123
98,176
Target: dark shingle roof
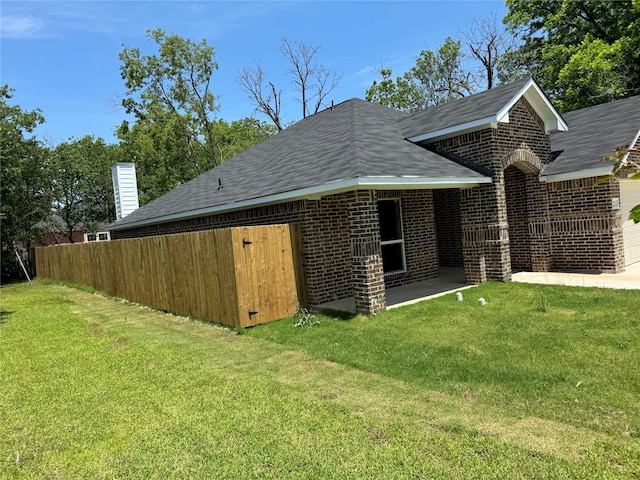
x,y
462,111
355,139
56,222
594,132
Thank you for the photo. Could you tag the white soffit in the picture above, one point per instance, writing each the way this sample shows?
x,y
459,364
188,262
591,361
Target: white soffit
x,y
479,124
312,193
587,173
553,122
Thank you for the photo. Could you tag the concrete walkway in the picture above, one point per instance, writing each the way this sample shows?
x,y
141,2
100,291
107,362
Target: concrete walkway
x,y
629,279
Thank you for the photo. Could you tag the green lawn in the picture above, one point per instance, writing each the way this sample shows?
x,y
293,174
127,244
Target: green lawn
x,y
541,382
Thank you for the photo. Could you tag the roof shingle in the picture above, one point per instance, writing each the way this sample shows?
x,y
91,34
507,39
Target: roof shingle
x,y
594,132
352,140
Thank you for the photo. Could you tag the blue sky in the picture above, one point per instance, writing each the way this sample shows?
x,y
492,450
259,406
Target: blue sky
x,y
62,57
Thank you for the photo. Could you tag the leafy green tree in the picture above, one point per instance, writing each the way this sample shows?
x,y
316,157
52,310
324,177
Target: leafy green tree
x,y
240,135
437,77
25,194
156,146
172,87
582,53
82,185
627,165
156,149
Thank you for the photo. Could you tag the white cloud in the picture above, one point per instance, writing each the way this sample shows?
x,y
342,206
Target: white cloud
x,y
21,27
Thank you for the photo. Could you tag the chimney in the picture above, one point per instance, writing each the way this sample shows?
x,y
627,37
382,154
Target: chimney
x,y
125,188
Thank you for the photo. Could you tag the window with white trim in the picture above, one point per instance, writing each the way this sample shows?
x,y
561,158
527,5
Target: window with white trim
x,y
97,237
391,237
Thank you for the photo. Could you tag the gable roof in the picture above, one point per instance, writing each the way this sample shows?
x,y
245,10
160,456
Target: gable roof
x,y
480,111
595,132
355,144
56,222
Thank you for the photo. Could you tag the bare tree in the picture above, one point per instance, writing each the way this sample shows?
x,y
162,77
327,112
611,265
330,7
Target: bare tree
x,y
312,81
264,95
486,43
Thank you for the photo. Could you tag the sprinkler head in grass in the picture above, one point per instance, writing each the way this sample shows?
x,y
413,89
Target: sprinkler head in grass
x,y
482,301
459,296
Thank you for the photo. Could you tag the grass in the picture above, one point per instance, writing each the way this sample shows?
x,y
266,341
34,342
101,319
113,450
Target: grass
x,y
577,360
93,387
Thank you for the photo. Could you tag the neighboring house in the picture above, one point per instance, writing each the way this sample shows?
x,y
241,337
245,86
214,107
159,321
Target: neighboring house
x,y
384,198
53,232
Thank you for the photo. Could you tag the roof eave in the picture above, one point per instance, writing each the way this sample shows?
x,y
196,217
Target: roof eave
x,y
585,173
480,124
625,159
316,192
553,121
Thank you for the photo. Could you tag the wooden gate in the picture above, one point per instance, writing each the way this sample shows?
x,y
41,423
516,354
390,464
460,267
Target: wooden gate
x,y
238,277
265,271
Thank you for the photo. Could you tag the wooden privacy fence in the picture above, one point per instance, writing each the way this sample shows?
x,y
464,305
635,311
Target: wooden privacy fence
x,y
238,276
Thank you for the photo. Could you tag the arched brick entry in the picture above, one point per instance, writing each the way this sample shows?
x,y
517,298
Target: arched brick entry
x,y
527,212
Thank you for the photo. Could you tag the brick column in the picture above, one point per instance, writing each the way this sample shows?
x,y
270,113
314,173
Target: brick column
x,y
366,254
485,233
472,236
539,228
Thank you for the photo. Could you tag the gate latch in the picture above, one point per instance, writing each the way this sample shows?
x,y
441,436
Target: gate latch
x,y
251,314
245,243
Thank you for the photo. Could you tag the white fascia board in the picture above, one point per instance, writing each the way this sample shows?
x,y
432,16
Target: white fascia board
x,y
505,110
457,129
339,186
586,173
631,145
553,122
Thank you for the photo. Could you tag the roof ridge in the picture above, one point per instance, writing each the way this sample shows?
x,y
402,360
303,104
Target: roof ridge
x,y
358,164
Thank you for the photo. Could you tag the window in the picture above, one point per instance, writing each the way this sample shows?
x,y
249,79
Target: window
x,y
97,237
391,238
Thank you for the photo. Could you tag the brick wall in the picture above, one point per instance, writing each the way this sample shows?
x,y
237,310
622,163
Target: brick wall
x,y
366,253
325,233
446,205
420,240
518,218
483,210
333,228
326,244
586,229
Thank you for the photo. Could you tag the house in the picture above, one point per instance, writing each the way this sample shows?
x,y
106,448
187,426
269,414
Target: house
x,y
53,231
384,198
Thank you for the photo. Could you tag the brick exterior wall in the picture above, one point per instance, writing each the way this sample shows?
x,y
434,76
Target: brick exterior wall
x,y
52,238
518,218
420,240
515,222
586,229
484,214
331,231
446,205
325,233
366,253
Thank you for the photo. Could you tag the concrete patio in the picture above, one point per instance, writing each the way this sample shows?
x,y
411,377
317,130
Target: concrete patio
x,y
449,280
452,280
